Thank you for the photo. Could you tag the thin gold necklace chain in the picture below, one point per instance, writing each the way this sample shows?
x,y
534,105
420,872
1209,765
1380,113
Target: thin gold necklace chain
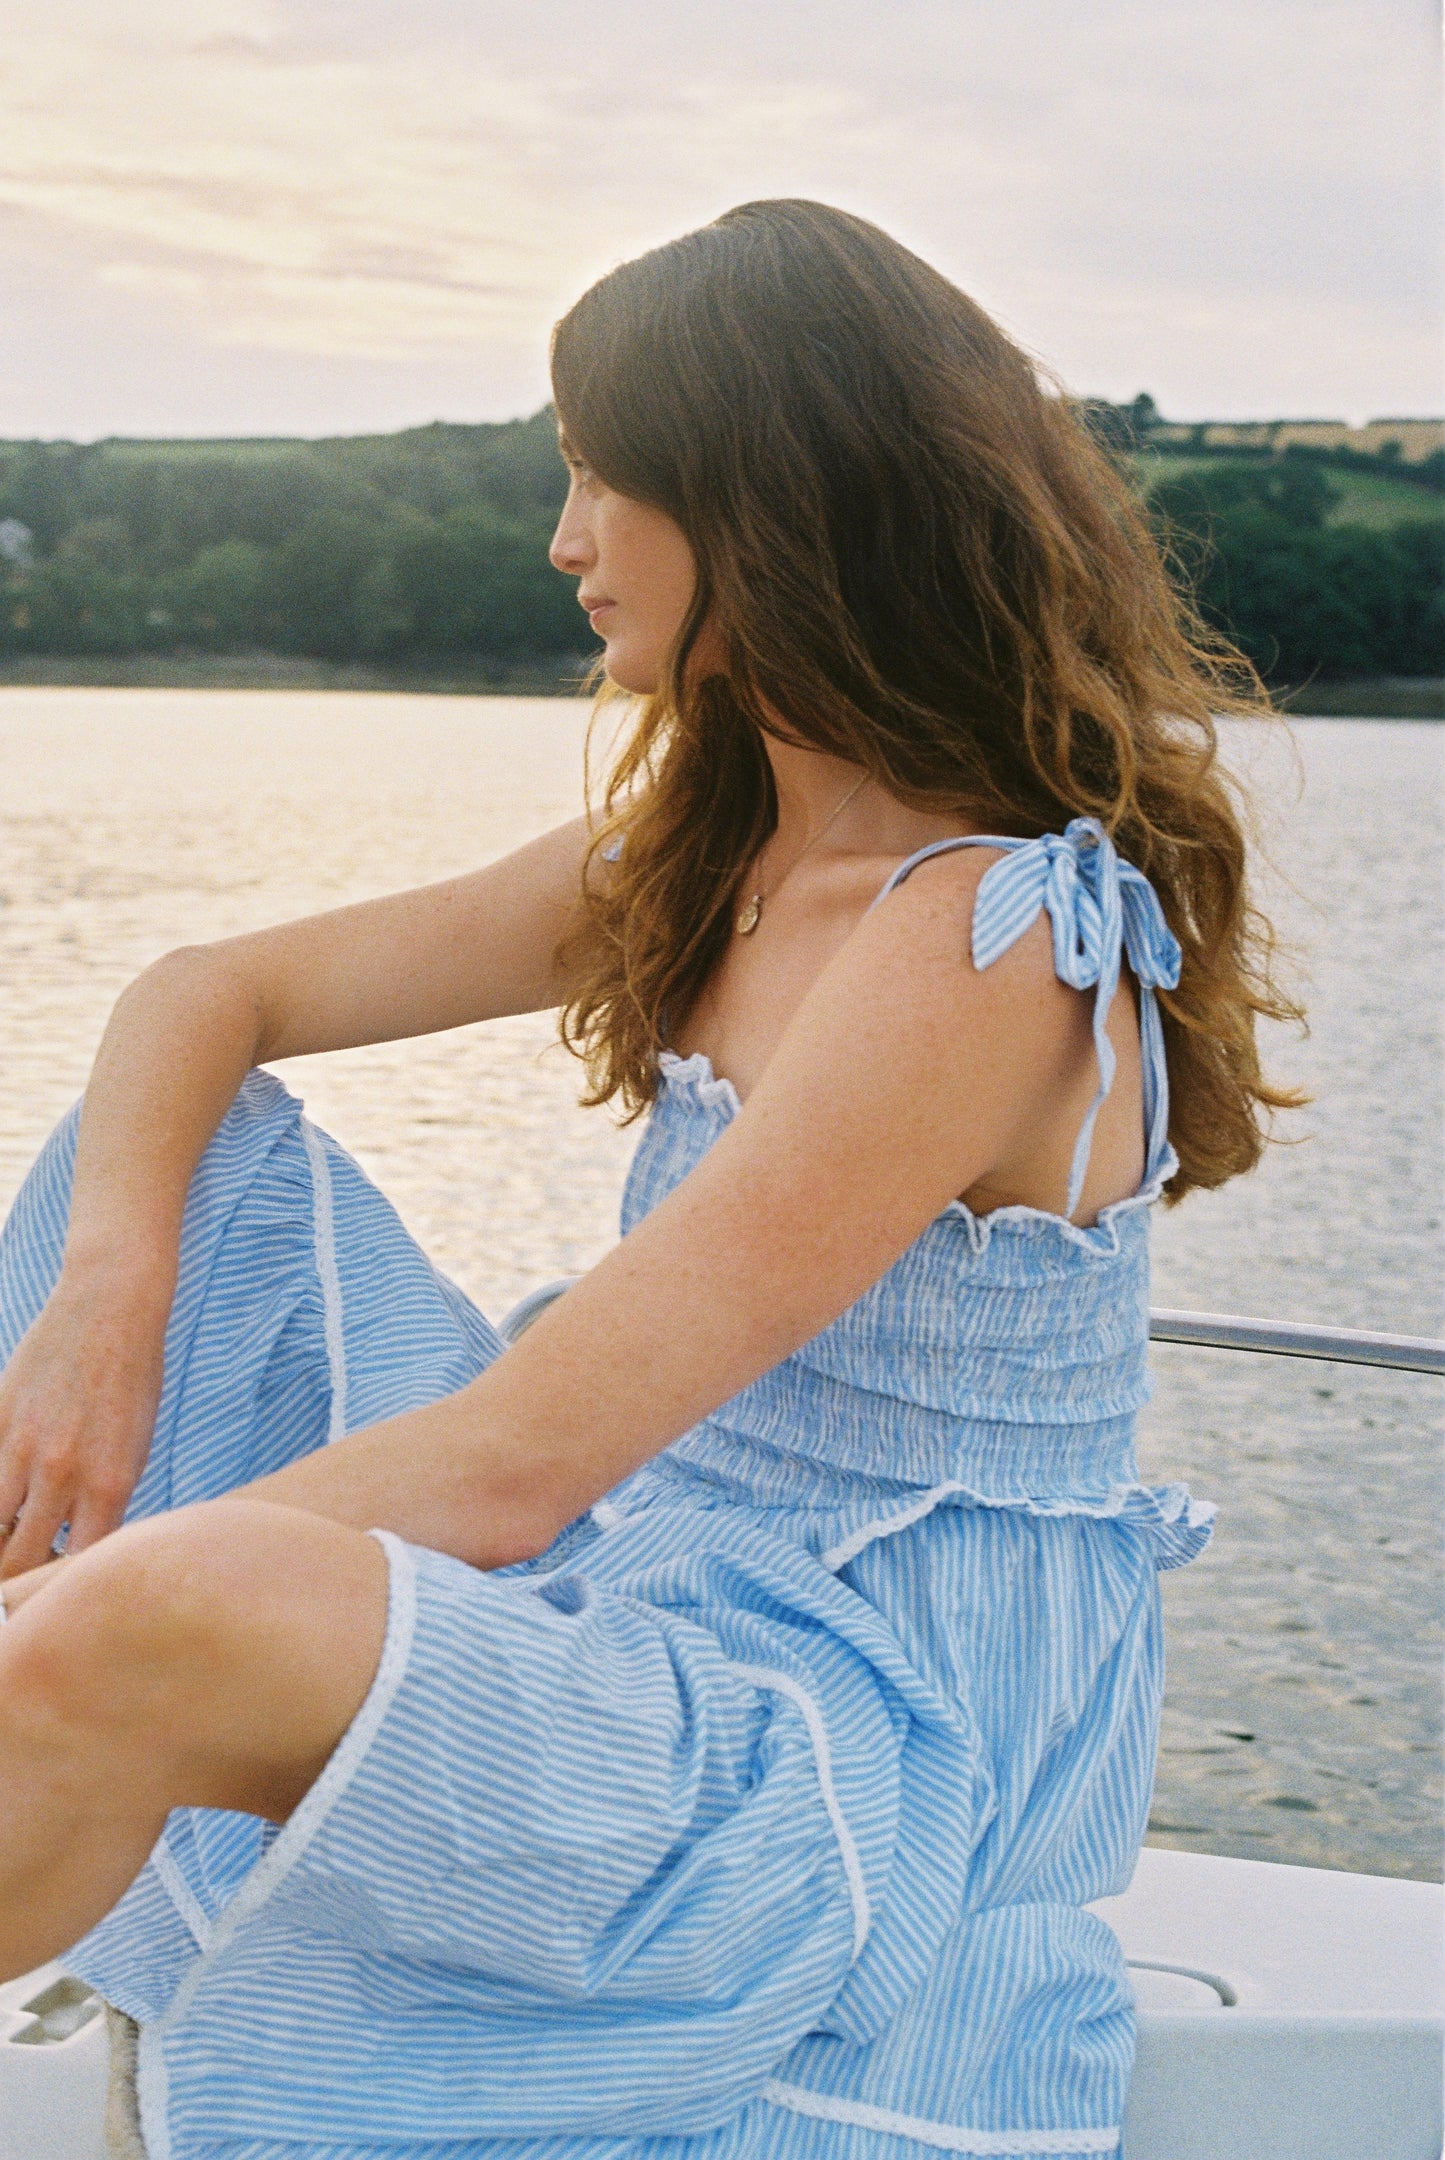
x,y
750,913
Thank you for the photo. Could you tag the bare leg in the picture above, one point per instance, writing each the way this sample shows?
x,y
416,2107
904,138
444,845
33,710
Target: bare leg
x,y
210,1658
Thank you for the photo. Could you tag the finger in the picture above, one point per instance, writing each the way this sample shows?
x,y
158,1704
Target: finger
x,y
14,1477
43,1511
97,1511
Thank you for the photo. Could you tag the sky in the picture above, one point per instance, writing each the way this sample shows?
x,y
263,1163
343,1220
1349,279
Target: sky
x,y
251,217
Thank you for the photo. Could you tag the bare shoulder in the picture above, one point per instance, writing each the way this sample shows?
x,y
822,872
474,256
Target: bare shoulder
x,y
924,928
908,1077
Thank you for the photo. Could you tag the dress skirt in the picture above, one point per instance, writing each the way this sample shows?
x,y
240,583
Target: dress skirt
x,y
706,1836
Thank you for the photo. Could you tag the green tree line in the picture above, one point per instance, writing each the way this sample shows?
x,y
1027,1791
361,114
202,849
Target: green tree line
x,y
418,545
431,544
1269,549
1304,595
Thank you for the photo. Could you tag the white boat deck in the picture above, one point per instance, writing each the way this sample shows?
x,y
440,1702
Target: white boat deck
x,y
1284,2014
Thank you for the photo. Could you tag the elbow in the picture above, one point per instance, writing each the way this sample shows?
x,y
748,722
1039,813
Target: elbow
x,y
509,1469
187,971
515,1517
202,978
512,1543
185,963
521,1531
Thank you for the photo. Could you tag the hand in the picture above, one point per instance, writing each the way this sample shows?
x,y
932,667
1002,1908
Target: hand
x,y
77,1411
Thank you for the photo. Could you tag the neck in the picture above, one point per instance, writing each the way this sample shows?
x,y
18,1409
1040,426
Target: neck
x,y
809,785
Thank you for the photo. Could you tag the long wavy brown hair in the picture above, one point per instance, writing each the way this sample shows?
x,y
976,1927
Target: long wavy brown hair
x,y
913,556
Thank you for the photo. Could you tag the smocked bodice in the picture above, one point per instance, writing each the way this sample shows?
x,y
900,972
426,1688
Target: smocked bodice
x,y
1002,1356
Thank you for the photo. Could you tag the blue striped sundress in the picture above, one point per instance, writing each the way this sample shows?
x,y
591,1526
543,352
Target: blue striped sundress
x,y
759,1817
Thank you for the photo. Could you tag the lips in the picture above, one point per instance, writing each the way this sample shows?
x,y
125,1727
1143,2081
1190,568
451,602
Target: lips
x,y
594,607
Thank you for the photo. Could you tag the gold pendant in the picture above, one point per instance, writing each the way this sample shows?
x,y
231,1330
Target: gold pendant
x,y
747,921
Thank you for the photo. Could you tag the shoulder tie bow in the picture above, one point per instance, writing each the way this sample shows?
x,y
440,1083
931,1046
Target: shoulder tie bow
x,y
1099,908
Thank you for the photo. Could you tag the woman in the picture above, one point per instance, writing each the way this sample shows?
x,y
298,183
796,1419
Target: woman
x,y
698,1730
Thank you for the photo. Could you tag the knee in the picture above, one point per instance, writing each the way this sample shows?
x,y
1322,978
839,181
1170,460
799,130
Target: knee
x,y
133,1619
58,1672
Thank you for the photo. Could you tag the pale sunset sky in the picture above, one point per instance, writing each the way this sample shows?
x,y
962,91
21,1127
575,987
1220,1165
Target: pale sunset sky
x,y
328,216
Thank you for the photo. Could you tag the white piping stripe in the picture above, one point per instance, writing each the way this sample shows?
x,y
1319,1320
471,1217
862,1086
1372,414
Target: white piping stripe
x,y
153,2096
991,2144
180,1893
307,1818
838,1556
765,1676
324,1228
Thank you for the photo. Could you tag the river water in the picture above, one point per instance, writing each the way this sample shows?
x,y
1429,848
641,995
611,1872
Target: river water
x,y
1302,1717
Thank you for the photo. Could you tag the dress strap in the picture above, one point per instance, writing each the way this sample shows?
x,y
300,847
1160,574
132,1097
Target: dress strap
x,y
1099,908
936,847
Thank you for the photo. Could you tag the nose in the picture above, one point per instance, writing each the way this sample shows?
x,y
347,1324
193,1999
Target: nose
x,y
571,550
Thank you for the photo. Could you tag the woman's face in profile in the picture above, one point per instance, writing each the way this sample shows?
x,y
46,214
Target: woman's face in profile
x,y
637,573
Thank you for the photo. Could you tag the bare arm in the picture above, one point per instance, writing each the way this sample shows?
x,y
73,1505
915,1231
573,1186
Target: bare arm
x,y
905,1077
78,1400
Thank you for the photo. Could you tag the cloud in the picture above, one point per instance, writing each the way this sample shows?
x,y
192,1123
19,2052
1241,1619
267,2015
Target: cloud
x,y
1232,204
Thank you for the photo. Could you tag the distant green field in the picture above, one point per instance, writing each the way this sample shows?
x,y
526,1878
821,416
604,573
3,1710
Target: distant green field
x,y
129,449
1378,502
1363,498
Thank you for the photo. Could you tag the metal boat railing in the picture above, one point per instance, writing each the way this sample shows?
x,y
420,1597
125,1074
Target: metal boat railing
x,y
1289,1338
1206,1331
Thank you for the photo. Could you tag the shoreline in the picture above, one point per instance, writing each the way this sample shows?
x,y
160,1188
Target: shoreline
x,y
1385,697
1367,698
564,676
